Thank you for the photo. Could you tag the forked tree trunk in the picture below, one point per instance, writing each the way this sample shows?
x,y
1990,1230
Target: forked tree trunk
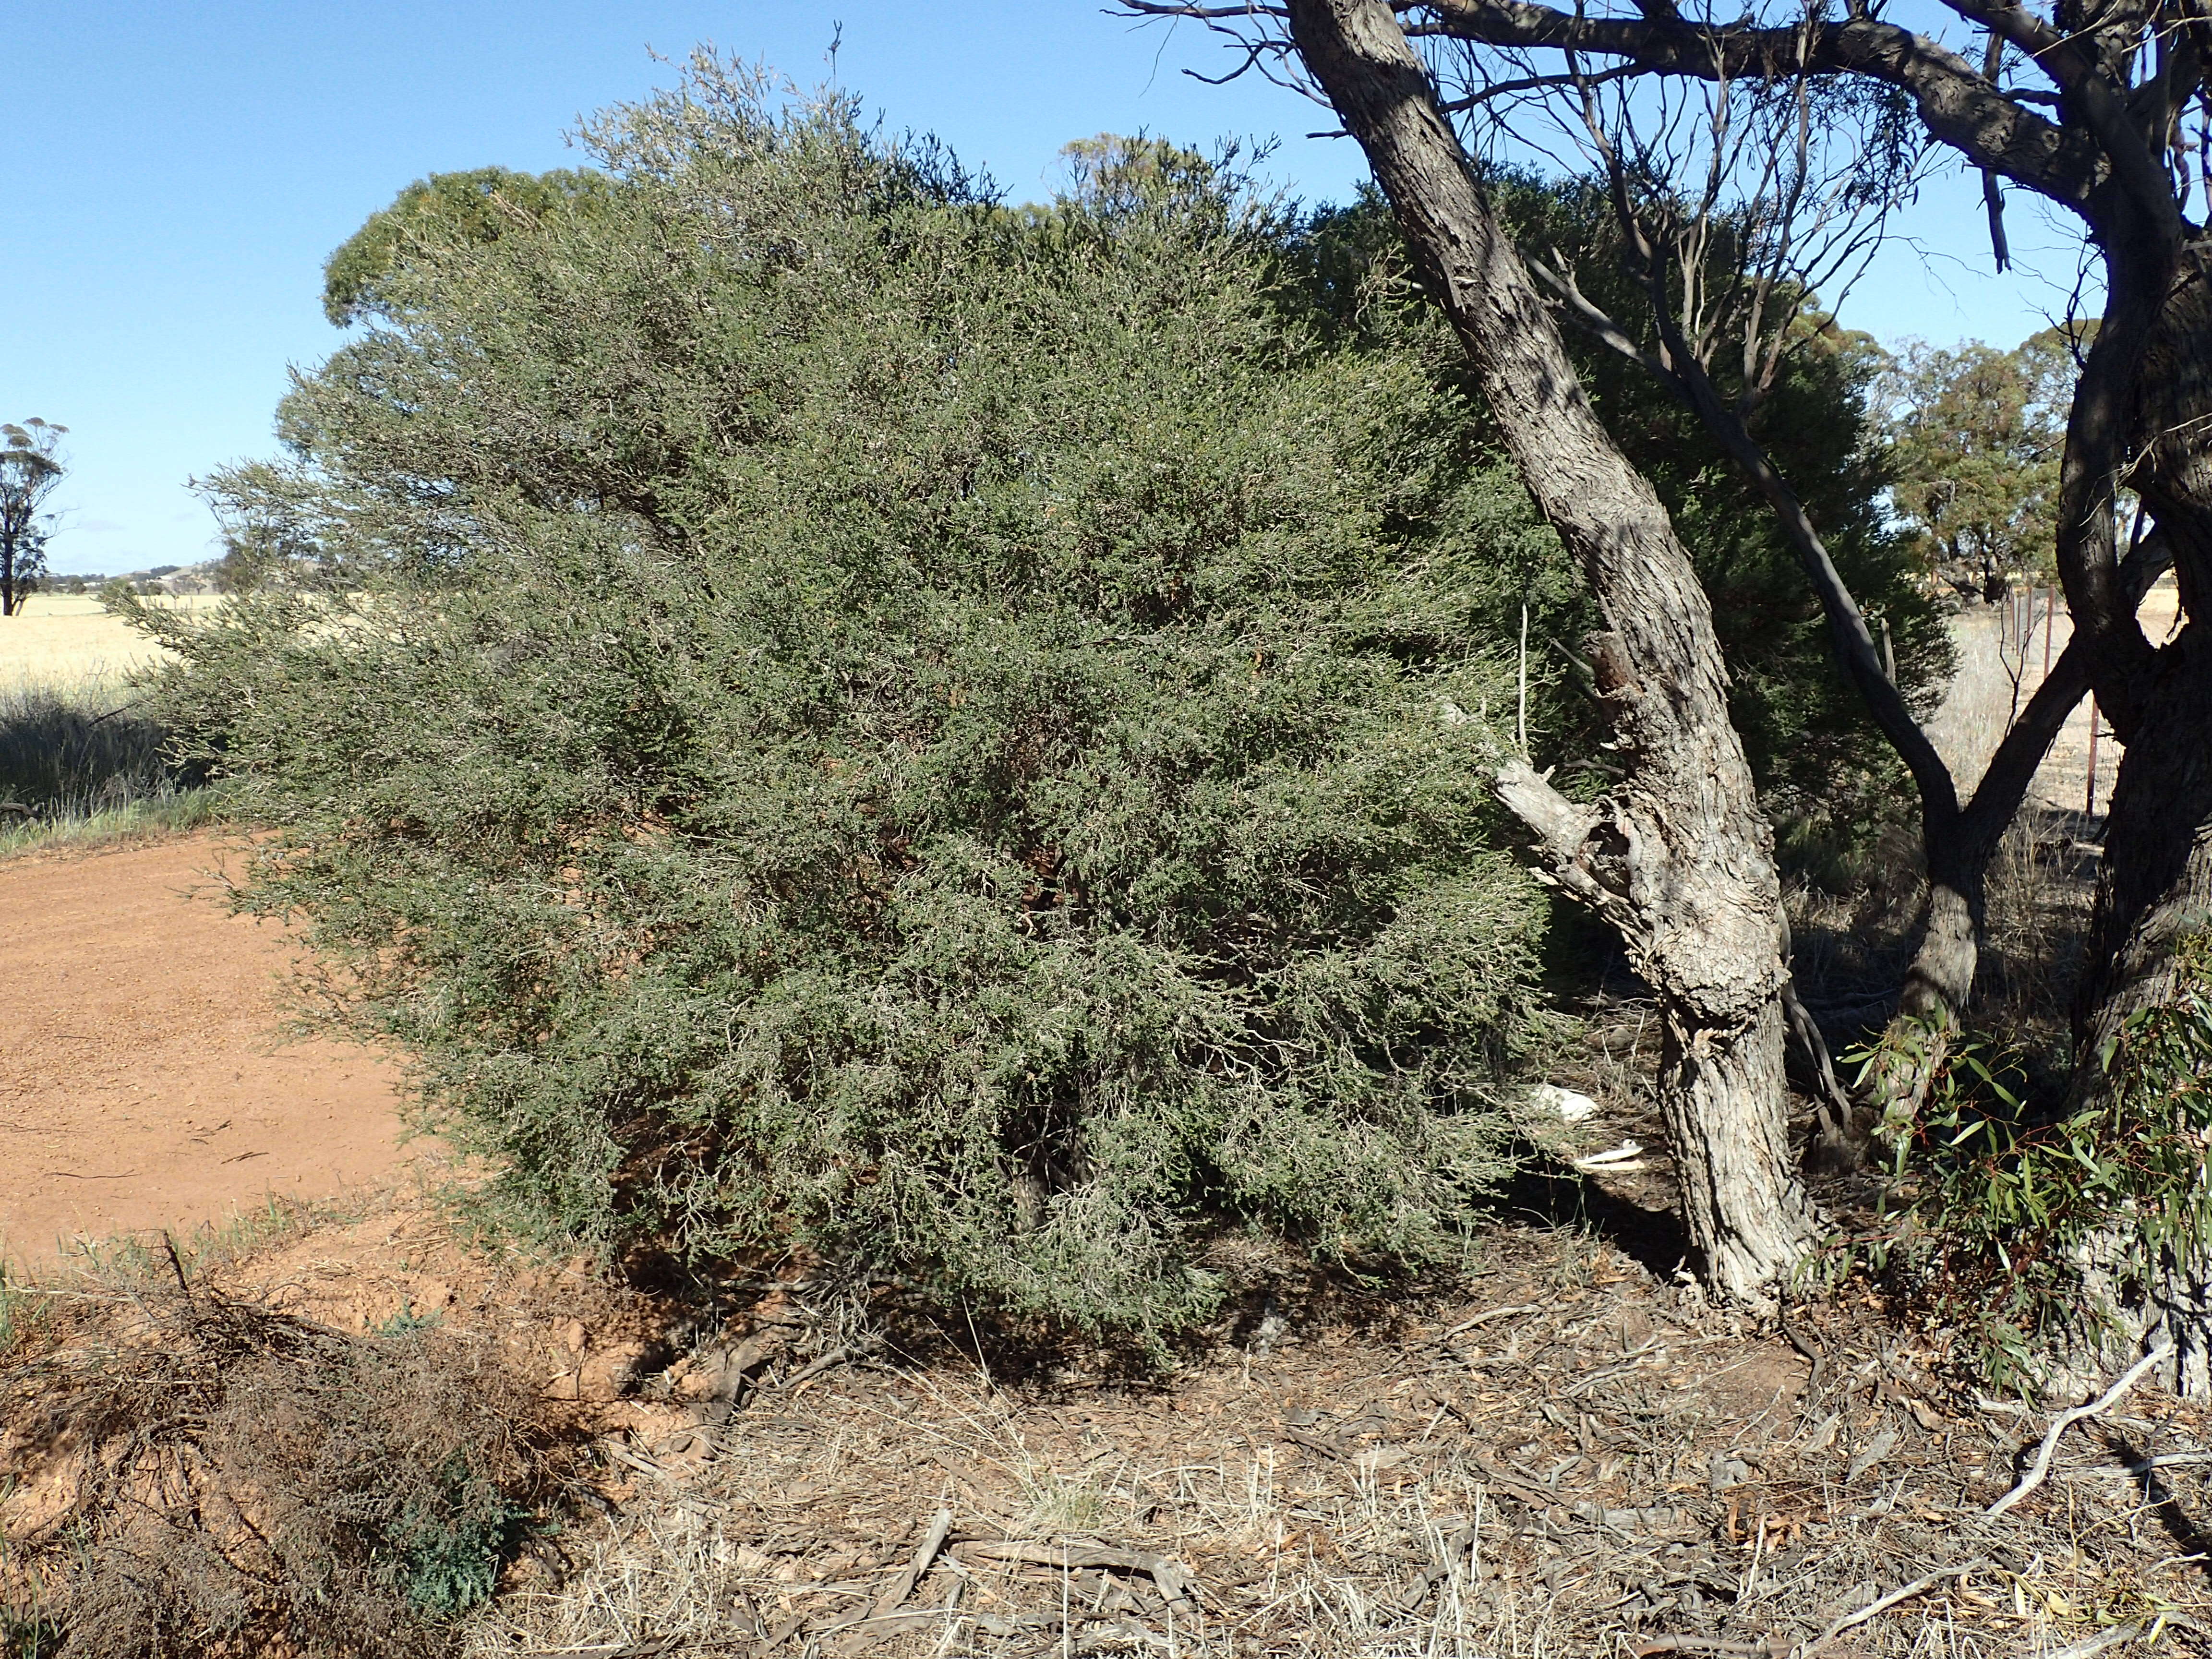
x,y
1957,843
1678,857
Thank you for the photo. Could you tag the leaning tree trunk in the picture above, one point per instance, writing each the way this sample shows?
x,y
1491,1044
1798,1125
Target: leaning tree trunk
x,y
1958,845
1678,857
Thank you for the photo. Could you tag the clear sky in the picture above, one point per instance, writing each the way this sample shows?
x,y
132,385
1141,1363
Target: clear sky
x,y
181,170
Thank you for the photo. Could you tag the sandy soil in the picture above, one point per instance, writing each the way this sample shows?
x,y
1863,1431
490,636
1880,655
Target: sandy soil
x,y
144,1082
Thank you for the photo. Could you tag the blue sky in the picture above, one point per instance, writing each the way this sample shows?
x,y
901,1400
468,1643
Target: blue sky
x,y
182,170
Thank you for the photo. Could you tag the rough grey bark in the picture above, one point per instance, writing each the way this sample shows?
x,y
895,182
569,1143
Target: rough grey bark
x,y
1677,857
2155,882
1941,977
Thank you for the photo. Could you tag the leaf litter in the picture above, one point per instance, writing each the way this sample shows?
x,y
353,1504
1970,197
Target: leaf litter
x,y
1571,1458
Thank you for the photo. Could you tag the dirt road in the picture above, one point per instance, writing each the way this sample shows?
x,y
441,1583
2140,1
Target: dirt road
x,y
143,1080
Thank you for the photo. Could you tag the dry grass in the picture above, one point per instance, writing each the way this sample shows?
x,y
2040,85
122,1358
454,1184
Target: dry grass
x,y
68,642
78,763
1588,1464
189,1473
1999,669
1575,1457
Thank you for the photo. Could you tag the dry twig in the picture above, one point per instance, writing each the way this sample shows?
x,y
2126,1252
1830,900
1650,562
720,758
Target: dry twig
x,y
2040,1469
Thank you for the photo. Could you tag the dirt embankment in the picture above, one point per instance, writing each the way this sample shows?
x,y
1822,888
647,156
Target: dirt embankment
x,y
144,1081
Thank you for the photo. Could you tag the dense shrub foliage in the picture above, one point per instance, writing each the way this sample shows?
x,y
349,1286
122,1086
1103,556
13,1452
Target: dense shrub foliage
x,y
837,715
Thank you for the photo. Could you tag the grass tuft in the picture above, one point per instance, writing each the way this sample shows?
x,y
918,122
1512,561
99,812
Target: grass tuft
x,y
81,766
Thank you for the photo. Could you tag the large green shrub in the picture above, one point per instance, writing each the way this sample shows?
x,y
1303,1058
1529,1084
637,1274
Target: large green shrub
x,y
859,719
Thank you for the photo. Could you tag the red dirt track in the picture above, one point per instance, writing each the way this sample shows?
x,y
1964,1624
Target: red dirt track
x,y
144,1079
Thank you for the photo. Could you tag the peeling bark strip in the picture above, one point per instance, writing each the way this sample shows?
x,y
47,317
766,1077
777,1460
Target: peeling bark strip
x,y
1678,857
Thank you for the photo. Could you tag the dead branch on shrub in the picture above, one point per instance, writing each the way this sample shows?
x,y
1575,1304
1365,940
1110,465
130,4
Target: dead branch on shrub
x,y
191,1473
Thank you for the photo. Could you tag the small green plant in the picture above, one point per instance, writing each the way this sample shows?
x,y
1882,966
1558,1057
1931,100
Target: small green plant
x,y
407,1322
28,1635
2025,1225
449,1545
22,1311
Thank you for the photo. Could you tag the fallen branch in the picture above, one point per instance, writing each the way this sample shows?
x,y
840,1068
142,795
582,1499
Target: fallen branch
x,y
2040,1469
1173,1580
1486,1316
1315,1443
1414,1594
1775,1647
621,1454
1850,1620
813,1368
903,1586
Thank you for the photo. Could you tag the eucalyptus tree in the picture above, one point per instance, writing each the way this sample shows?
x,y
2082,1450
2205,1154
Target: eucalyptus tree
x,y
1974,438
31,470
2086,108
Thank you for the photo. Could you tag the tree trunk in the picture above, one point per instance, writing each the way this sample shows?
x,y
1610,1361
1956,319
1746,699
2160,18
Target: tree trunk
x,y
2153,891
2156,884
1678,857
1742,1201
2139,417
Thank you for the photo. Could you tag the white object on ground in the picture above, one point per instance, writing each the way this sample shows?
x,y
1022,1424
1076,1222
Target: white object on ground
x,y
1622,1157
1563,1104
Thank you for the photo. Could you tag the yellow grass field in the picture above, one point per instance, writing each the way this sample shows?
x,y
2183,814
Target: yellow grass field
x,y
65,641
1980,703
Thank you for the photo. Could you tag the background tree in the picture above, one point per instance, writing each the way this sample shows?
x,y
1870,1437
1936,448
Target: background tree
x,y
31,470
441,211
1974,436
